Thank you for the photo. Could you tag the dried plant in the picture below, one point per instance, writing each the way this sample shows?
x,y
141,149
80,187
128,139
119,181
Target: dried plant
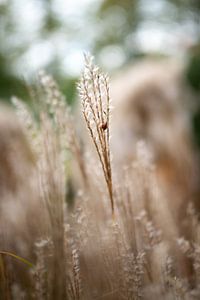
x,y
95,99
78,252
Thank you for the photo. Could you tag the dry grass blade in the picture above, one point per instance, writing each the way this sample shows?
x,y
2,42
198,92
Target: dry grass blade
x,y
95,99
56,106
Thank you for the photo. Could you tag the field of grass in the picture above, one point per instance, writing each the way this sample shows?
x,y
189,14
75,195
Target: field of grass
x,y
73,225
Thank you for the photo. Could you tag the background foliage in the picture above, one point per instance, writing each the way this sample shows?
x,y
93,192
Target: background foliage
x,y
53,34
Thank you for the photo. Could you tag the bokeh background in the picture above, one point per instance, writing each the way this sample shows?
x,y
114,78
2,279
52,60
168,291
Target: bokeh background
x,y
53,34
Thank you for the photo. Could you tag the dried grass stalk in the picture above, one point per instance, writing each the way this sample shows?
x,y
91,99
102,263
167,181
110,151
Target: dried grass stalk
x,y
95,99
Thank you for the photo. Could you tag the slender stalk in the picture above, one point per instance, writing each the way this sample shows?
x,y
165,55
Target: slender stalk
x,y
95,99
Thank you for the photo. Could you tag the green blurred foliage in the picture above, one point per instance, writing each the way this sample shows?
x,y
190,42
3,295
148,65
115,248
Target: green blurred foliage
x,y
193,69
13,46
121,19
193,78
115,24
9,83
